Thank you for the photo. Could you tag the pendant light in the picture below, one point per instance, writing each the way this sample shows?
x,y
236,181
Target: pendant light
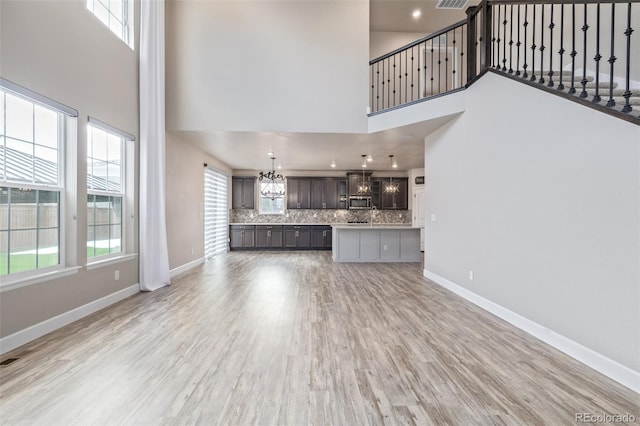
x,y
363,185
273,188
392,187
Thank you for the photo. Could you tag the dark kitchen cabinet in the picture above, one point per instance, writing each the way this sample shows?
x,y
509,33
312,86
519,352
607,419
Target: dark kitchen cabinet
x,y
297,236
243,192
298,193
269,236
242,236
324,193
383,201
321,237
354,181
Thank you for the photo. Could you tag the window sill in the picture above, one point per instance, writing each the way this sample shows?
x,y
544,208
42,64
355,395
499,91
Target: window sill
x,y
35,279
110,261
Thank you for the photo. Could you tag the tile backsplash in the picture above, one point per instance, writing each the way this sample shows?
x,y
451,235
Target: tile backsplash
x,y
320,216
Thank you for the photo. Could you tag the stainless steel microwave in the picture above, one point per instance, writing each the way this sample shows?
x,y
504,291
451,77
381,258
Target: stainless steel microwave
x,y
360,202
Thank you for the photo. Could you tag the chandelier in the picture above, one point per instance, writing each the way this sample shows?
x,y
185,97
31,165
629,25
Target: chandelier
x,y
274,187
392,187
363,186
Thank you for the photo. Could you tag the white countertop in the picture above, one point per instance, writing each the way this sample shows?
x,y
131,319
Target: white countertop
x,y
377,226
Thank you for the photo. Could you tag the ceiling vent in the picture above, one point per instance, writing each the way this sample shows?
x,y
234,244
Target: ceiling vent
x,y
451,4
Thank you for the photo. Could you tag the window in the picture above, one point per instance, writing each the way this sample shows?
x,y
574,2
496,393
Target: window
x,y
31,184
215,212
116,15
105,191
270,205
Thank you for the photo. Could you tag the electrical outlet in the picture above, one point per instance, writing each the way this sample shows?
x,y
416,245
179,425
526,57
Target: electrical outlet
x,y
470,275
433,217
400,215
384,247
116,275
315,215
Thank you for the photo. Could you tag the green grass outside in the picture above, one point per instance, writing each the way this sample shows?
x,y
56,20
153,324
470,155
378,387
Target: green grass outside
x,y
27,262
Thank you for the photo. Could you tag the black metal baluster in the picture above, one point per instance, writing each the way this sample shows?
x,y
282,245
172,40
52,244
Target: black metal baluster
x,y
561,51
596,97
439,63
518,44
628,31
583,82
572,89
423,93
377,86
394,80
533,46
504,44
525,25
551,26
389,82
406,76
413,68
453,65
510,39
612,59
431,67
497,29
372,87
541,80
462,67
446,61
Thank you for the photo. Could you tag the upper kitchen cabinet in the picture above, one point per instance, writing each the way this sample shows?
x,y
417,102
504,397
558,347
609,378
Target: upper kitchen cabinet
x,y
354,181
243,192
328,193
384,201
298,193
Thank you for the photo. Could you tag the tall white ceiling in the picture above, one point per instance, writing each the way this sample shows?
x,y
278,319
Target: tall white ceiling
x,y
316,151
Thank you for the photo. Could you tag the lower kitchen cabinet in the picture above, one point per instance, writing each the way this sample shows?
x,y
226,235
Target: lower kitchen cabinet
x,y
297,236
268,236
280,237
321,237
242,236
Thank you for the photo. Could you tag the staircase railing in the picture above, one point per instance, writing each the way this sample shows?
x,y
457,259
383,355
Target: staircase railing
x,y
582,50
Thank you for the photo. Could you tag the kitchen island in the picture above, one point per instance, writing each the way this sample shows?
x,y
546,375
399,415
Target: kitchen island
x,y
376,243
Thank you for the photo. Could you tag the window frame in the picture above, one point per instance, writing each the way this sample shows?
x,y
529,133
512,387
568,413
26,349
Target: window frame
x,y
123,194
126,28
261,197
64,137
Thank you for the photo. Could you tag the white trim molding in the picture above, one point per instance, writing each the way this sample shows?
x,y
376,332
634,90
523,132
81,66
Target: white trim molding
x,y
610,368
187,266
25,336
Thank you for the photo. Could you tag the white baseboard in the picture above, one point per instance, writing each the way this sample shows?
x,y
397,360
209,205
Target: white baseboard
x,y
610,368
186,267
25,336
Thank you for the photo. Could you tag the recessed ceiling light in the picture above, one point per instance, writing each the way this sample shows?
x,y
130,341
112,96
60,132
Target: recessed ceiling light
x,y
416,14
333,164
369,158
279,167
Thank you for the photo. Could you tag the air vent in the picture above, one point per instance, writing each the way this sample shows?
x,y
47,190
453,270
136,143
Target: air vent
x,y
451,4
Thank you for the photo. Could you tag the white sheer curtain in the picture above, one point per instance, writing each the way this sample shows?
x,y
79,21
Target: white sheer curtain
x,y
154,257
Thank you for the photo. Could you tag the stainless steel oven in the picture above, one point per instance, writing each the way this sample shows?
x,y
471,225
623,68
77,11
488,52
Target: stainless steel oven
x,y
360,202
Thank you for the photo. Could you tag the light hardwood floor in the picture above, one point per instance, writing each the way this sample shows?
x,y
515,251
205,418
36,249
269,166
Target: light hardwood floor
x,y
292,338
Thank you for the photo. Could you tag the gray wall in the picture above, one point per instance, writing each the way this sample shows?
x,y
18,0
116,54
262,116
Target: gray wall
x,y
542,202
185,195
296,66
62,51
